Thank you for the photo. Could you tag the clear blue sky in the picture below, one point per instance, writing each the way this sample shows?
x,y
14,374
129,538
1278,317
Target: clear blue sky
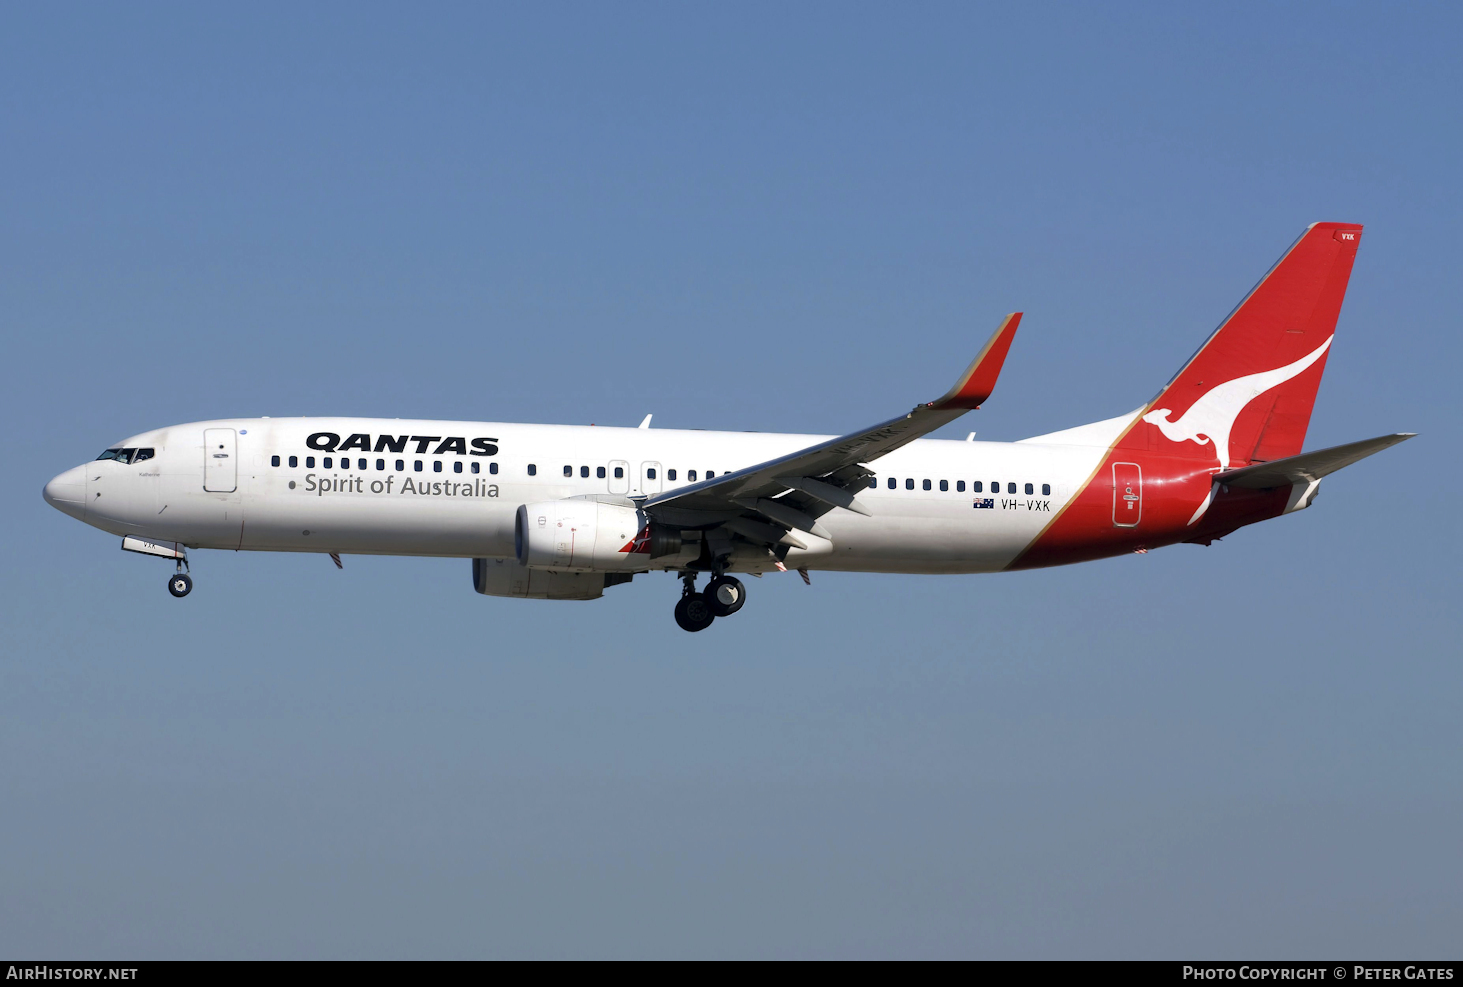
x,y
797,217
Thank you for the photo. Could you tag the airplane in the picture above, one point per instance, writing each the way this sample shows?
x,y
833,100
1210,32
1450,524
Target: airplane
x,y
564,512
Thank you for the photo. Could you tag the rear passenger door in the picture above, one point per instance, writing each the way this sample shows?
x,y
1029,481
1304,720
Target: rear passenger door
x,y
1127,495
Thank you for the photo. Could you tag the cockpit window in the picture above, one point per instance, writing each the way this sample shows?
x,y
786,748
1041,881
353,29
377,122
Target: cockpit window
x,y
126,456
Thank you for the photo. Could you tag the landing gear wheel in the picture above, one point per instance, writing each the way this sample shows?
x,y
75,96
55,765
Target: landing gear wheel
x,y
725,595
181,584
693,614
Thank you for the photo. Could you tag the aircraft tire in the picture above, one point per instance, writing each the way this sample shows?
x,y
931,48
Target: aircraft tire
x,y
693,614
725,595
180,584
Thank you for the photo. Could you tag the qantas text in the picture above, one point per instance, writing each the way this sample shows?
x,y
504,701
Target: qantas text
x,y
330,442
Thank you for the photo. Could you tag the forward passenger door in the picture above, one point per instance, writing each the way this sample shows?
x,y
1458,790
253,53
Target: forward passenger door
x,y
220,460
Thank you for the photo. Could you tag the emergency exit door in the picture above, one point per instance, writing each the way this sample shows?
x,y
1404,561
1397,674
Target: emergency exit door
x,y
619,476
220,460
1127,494
650,479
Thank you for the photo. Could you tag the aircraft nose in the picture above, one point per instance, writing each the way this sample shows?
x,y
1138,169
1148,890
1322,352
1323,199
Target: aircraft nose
x,y
67,492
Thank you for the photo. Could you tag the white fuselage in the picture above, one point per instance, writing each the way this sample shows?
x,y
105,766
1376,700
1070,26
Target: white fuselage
x,y
432,503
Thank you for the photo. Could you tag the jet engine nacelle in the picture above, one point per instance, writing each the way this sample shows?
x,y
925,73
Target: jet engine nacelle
x,y
505,577
575,535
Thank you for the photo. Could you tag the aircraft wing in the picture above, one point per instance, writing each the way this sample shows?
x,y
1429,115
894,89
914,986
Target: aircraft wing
x,y
793,491
1308,466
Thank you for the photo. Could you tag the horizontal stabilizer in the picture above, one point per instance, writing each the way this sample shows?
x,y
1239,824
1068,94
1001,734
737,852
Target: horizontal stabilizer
x,y
1308,466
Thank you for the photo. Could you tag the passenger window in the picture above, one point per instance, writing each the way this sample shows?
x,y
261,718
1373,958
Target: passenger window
x,y
650,474
148,454
457,466
584,472
599,471
476,466
1030,490
273,460
568,471
345,462
533,469
710,474
944,484
401,465
380,464
960,486
327,462
309,462
1010,488
619,472
294,461
976,486
909,484
493,468
360,464
893,483
417,465
926,484
1046,489
670,475
691,475
436,466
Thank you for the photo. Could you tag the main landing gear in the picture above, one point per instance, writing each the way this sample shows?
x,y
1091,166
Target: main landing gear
x,y
723,596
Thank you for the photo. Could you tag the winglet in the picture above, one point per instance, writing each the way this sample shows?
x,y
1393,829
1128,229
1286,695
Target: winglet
x,y
979,379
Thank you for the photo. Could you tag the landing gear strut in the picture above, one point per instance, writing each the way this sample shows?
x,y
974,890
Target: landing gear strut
x,y
723,596
181,584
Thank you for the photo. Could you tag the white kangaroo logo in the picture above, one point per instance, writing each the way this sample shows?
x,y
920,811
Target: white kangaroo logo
x,y
1210,418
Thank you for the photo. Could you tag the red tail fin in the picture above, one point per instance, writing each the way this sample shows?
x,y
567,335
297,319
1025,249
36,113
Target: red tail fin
x,y
1246,395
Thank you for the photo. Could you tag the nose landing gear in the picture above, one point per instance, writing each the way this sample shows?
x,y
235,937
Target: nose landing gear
x,y
181,584
723,596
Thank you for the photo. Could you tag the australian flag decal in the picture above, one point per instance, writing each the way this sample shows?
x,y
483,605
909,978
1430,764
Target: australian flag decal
x,y
984,503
